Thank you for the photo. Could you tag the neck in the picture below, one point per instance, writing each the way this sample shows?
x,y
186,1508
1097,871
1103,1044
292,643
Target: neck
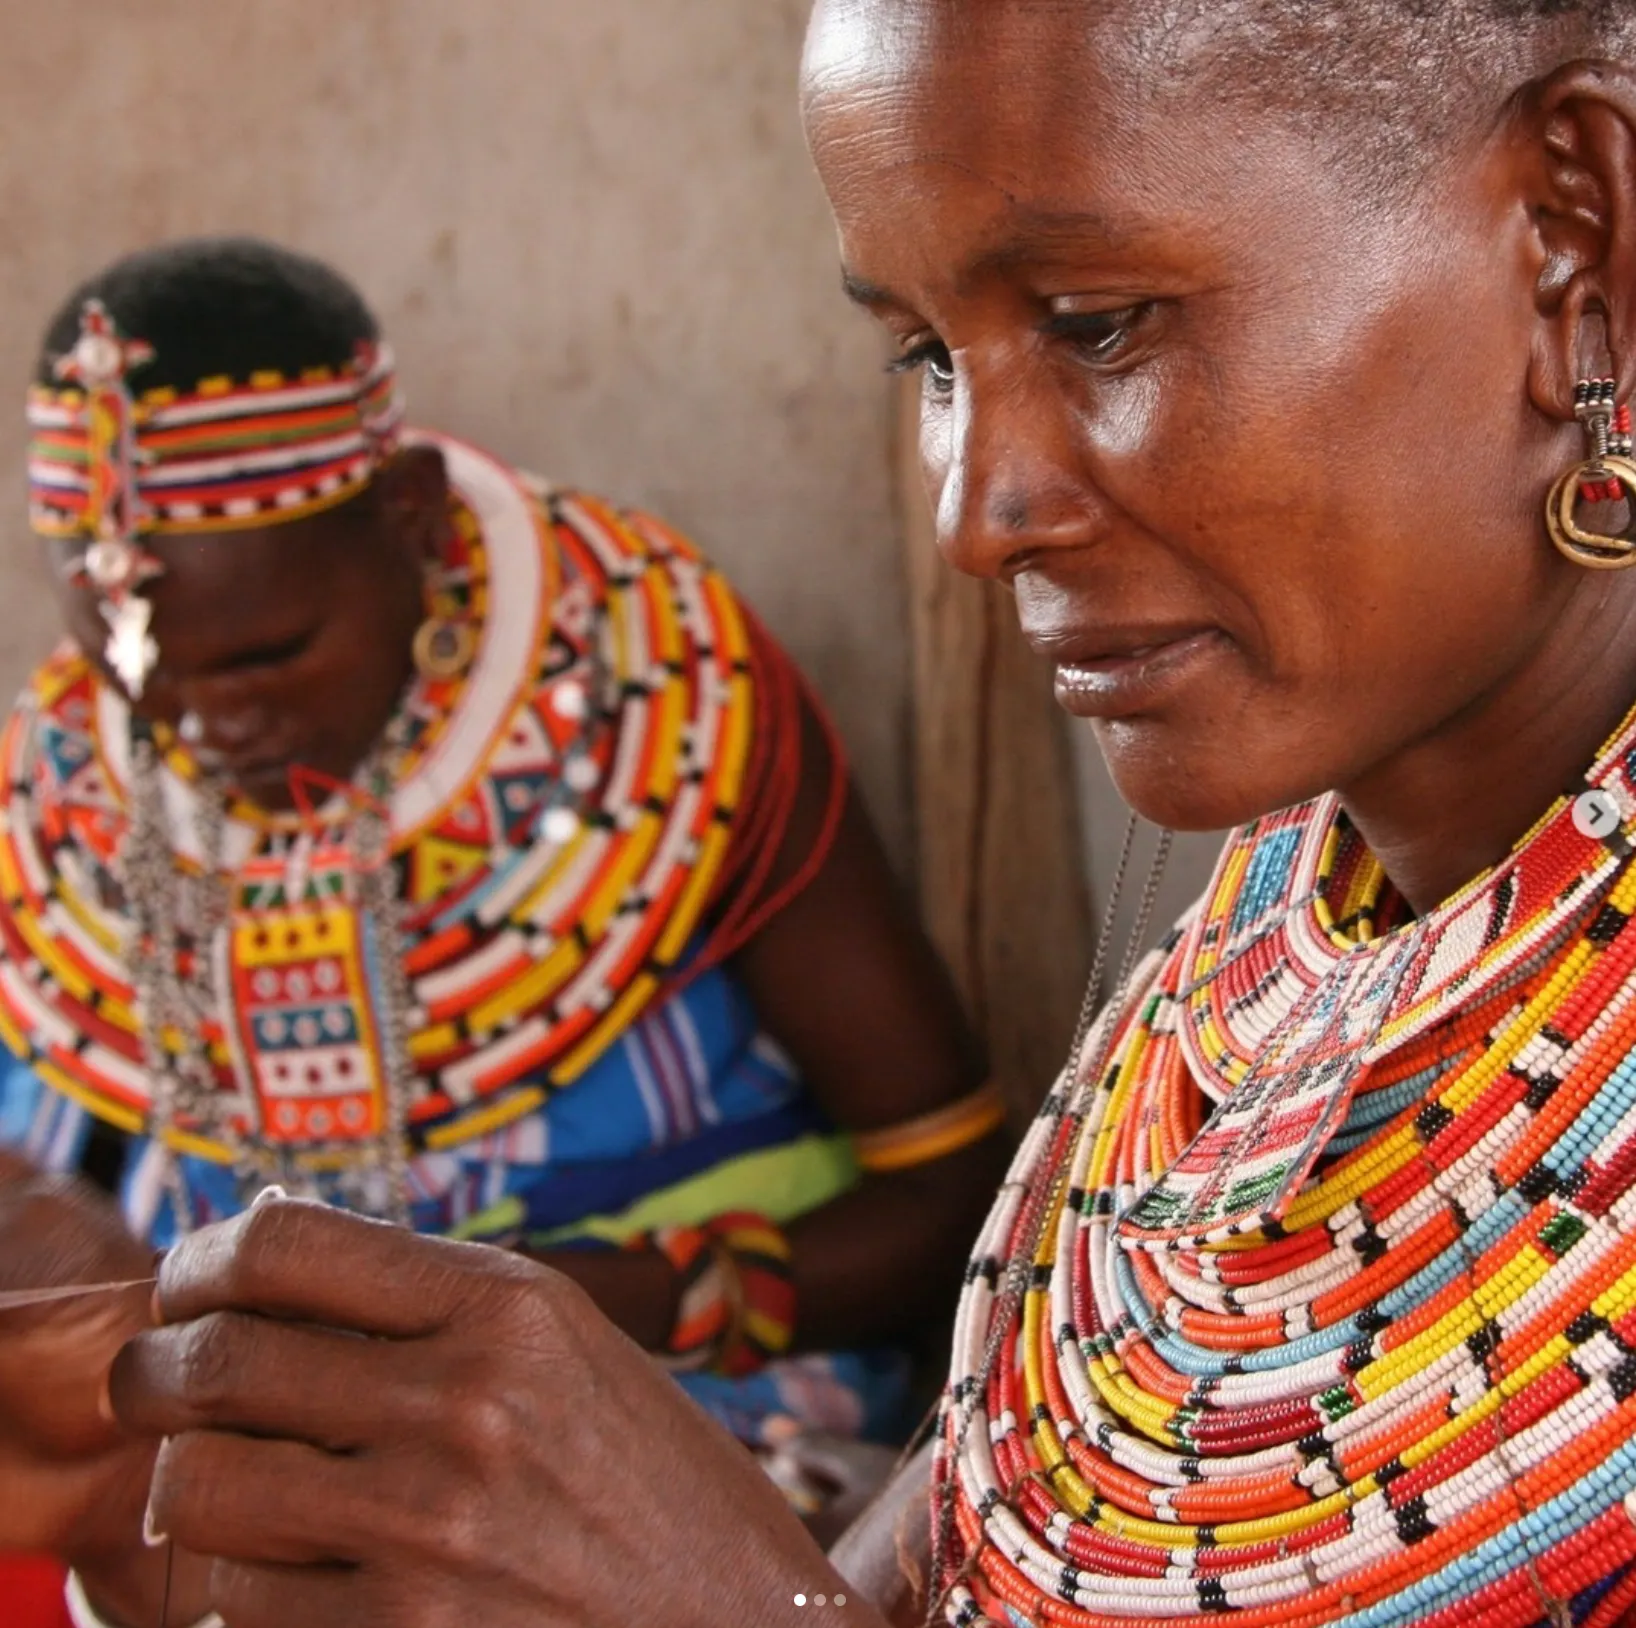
x,y
1456,802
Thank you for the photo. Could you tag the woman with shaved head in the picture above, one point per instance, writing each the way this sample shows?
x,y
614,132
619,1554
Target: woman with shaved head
x,y
1277,357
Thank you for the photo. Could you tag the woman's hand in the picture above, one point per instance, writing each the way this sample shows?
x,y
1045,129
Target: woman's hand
x,y
491,1451
636,1290
70,1481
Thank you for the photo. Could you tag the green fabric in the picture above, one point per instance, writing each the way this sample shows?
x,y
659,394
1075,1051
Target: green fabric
x,y
780,1183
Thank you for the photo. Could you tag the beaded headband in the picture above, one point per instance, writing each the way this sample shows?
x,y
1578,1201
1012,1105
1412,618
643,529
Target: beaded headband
x,y
113,466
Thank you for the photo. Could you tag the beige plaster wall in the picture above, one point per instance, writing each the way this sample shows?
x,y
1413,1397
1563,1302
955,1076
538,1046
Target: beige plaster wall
x,y
589,226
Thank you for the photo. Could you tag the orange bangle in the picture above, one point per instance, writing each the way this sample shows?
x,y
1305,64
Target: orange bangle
x,y
933,1136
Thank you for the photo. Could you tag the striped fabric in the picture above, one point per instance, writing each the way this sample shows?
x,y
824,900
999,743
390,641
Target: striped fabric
x,y
694,1112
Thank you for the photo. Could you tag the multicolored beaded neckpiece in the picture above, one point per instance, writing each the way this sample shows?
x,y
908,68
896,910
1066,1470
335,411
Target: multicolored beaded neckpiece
x,y
528,860
1331,1313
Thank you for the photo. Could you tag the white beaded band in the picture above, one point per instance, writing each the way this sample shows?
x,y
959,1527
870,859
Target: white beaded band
x,y
82,1616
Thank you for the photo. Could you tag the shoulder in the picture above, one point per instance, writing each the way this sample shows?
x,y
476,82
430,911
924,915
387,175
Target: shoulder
x,y
65,670
618,534
59,694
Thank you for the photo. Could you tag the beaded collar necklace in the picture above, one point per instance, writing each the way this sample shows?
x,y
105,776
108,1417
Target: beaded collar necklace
x,y
557,838
1332,1312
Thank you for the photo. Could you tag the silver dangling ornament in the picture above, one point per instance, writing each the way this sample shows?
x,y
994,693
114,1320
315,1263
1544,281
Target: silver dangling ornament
x,y
115,565
131,650
116,569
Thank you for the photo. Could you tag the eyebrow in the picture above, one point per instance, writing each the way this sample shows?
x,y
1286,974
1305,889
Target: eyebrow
x,y
1033,228
861,292
1029,225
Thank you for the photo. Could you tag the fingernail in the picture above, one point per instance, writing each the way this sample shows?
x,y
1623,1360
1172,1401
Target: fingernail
x,y
105,1404
268,1195
156,1306
151,1535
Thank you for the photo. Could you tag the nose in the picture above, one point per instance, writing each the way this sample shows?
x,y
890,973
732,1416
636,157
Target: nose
x,y
223,722
1006,472
233,731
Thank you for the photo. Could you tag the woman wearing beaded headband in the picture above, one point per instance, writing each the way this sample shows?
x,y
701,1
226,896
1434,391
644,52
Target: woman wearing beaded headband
x,y
457,850
1265,352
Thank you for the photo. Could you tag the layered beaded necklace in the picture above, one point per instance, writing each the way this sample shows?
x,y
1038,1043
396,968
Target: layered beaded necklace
x,y
184,995
1330,1303
535,852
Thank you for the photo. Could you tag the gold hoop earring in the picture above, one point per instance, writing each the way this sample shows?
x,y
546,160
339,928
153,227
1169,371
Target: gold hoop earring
x,y
443,649
1608,475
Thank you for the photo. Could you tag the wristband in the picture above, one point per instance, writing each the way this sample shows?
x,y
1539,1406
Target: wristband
x,y
736,1309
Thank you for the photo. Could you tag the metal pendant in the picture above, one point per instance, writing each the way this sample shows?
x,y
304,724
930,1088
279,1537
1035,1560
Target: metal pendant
x,y
131,649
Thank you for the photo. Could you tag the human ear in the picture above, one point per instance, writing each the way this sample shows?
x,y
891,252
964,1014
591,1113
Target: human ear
x,y
414,495
1578,129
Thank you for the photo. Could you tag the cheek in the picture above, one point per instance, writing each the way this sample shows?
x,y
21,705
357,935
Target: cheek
x,y
352,678
1373,525
935,442
1385,562
81,619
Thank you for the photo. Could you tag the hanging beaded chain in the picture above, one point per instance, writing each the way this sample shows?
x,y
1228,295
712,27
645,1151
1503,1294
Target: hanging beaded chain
x,y
181,1001
1608,426
382,904
183,1082
1042,1186
179,994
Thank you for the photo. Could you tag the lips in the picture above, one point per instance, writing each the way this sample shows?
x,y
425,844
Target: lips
x,y
1090,647
1122,671
260,775
244,765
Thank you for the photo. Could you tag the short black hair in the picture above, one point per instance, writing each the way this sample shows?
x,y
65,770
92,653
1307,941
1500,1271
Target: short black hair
x,y
219,307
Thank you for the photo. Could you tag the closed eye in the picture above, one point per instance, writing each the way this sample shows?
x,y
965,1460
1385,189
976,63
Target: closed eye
x,y
933,356
265,655
1100,336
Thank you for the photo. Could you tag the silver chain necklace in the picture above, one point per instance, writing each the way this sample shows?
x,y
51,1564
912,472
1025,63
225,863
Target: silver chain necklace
x,y
178,1002
158,899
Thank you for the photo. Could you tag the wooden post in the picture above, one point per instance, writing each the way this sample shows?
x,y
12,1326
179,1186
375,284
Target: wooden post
x,y
1001,864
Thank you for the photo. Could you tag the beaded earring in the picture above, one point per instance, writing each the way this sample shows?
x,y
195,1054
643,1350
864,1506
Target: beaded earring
x,y
443,649
1607,475
445,642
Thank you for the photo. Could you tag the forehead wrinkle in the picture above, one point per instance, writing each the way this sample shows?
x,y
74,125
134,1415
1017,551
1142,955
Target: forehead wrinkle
x,y
960,166
1087,233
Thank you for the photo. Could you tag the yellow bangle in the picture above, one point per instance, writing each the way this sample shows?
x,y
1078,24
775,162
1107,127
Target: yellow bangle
x,y
933,1136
